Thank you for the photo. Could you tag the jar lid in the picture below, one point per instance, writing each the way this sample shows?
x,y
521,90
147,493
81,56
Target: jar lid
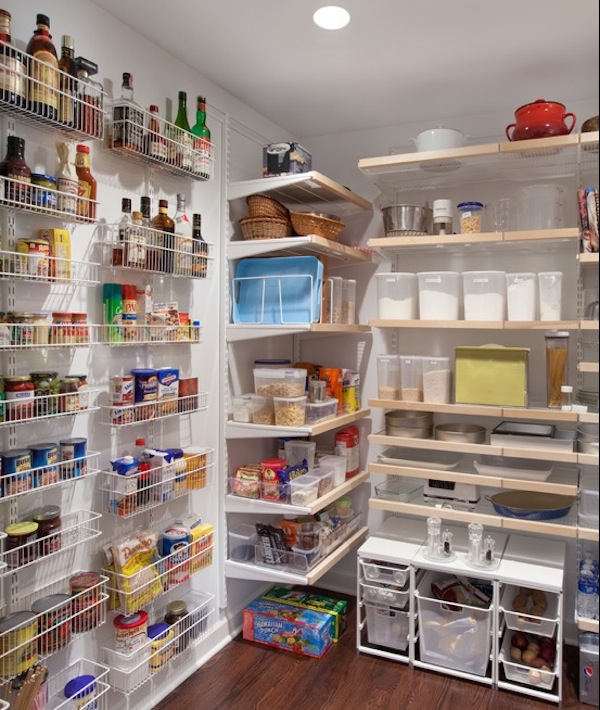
x,y
16,620
48,512
159,630
80,686
470,205
132,621
84,580
557,334
44,375
26,527
566,388
60,314
177,607
70,380
52,600
18,378
41,176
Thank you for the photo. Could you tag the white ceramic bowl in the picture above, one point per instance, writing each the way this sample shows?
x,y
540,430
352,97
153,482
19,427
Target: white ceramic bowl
x,y
438,138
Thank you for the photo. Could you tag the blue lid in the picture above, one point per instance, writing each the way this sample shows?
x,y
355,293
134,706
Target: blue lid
x,y
469,205
175,453
144,371
158,631
80,686
40,176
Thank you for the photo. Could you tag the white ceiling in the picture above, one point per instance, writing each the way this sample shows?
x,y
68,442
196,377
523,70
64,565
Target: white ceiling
x,y
397,62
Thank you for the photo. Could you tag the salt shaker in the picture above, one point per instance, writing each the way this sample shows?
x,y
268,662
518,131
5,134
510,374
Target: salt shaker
x,y
447,552
434,540
475,550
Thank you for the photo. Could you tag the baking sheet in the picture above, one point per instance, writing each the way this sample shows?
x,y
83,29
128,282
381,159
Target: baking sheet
x,y
525,469
436,460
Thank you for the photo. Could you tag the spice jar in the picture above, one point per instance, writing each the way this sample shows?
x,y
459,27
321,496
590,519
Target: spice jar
x,y
80,331
68,389
21,332
19,393
176,612
21,543
46,386
62,329
48,533
85,595
54,622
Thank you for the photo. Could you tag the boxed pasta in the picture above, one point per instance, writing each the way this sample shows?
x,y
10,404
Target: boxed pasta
x,y
290,628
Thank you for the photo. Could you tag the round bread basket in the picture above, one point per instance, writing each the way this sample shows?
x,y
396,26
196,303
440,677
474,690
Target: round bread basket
x,y
306,223
265,227
265,206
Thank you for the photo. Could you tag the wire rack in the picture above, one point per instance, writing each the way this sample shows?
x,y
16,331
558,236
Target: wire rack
x,y
49,406
20,195
30,263
92,696
119,416
133,333
41,333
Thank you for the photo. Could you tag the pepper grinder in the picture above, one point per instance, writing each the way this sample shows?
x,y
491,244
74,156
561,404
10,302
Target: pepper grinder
x,y
442,216
447,551
489,556
475,549
434,539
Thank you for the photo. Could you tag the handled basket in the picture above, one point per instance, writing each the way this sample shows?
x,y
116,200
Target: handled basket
x,y
265,227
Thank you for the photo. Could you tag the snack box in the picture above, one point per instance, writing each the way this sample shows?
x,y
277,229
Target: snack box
x,y
285,159
290,628
317,602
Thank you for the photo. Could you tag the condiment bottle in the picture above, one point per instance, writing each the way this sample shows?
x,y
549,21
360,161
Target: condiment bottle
x,y
184,241
154,143
119,251
43,71
86,183
199,248
163,223
66,179
90,97
136,246
67,82
12,67
17,191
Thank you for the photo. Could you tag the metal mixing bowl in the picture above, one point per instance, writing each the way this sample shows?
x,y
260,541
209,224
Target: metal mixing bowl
x,y
465,433
407,219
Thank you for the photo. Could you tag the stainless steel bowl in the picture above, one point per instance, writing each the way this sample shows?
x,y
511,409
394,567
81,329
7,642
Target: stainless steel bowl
x,y
409,432
407,219
465,433
409,419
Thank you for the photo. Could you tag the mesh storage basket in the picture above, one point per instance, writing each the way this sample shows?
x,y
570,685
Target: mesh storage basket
x,y
265,227
305,223
265,206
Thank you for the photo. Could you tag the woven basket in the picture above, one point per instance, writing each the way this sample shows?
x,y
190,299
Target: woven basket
x,y
305,223
265,227
264,206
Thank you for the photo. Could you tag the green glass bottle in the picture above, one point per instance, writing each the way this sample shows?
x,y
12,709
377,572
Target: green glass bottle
x,y
183,136
202,145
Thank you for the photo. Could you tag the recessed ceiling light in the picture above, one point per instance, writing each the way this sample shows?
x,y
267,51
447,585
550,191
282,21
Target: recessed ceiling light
x,y
331,17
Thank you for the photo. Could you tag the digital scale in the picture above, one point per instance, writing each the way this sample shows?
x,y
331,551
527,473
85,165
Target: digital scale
x,y
461,495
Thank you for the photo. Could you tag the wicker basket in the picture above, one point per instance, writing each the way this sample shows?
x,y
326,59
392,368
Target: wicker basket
x,y
265,227
305,223
264,206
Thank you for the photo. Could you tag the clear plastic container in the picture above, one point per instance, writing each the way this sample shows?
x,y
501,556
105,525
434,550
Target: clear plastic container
x,y
316,411
335,286
290,411
349,301
557,353
388,377
484,295
470,217
541,207
436,379
325,476
242,408
411,378
337,464
521,296
550,295
439,295
304,490
242,539
297,451
397,296
263,410
274,382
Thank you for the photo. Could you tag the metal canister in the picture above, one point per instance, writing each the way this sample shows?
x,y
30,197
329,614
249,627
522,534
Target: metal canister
x,y
16,472
44,461
175,548
18,649
121,390
73,453
54,622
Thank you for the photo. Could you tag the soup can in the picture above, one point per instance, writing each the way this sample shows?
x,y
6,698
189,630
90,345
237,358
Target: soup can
x,y
44,460
16,472
73,453
18,649
54,622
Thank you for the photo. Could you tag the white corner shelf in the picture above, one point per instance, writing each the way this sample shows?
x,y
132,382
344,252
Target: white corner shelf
x,y
299,246
239,331
242,430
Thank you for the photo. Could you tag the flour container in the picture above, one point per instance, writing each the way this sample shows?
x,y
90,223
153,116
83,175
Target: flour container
x,y
540,207
484,295
550,294
411,378
439,295
388,377
521,296
397,296
436,379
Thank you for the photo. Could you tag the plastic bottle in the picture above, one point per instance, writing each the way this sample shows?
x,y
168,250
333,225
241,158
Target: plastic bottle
x,y
144,477
587,588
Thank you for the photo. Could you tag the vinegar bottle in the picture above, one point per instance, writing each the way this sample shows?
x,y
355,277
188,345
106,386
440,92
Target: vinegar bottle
x,y
67,82
43,71
163,223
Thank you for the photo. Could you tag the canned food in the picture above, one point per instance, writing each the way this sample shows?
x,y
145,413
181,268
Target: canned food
x,y
21,543
121,390
49,524
35,258
162,648
130,631
82,390
122,416
73,454
54,622
145,391
16,472
44,461
43,191
175,547
82,691
21,331
85,594
18,649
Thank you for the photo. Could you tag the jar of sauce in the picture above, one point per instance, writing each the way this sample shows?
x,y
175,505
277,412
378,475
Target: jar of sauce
x,y
21,543
176,612
68,390
19,392
18,187
62,329
85,601
43,191
21,332
46,387
49,525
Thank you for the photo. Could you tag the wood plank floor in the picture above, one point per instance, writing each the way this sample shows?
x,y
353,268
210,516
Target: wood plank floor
x,y
248,676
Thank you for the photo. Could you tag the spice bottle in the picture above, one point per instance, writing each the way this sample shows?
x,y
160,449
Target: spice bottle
x,y
86,183
66,179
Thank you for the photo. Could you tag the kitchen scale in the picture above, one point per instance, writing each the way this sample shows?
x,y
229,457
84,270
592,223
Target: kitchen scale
x,y
462,496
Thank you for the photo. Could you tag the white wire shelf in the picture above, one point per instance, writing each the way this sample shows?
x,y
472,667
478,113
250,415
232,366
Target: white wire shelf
x,y
129,415
42,478
16,194
127,496
77,527
129,671
47,334
92,696
142,334
144,249
49,406
42,634
134,591
76,107
168,147
38,267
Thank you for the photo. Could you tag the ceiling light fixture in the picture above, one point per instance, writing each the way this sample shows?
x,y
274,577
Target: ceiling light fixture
x,y
331,17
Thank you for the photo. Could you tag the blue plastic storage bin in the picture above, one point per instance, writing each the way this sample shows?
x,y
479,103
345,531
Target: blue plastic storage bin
x,y
277,290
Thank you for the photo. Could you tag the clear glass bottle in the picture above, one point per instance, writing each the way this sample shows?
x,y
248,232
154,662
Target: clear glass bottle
x,y
202,141
183,135
136,247
67,82
43,71
183,241
120,249
434,538
153,251
199,248
13,72
90,99
128,119
475,553
557,351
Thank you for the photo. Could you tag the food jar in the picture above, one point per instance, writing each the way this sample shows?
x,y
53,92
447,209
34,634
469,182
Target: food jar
x,y
175,614
86,598
21,543
68,389
54,622
557,351
162,648
34,258
82,692
49,525
46,389
61,332
43,191
41,329
21,332
471,217
80,330
130,631
346,443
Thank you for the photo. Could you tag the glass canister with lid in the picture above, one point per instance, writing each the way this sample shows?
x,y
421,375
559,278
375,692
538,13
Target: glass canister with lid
x,y
46,389
174,616
21,332
68,390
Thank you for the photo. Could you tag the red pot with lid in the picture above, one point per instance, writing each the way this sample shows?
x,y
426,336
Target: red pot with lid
x,y
540,119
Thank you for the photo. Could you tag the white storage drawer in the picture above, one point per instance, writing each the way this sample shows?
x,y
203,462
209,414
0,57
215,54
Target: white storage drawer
x,y
521,673
385,572
387,626
541,625
377,593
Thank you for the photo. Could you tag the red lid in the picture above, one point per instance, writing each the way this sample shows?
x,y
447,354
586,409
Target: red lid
x,y
154,108
129,292
274,463
83,149
133,621
140,442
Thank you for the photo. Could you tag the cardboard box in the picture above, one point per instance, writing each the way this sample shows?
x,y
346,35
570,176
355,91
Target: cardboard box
x,y
290,628
491,374
285,159
60,249
317,602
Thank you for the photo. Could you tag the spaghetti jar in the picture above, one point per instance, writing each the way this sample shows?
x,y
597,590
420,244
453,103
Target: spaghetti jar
x,y
557,350
19,392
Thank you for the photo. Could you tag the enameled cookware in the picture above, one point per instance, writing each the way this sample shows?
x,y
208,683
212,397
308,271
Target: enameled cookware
x,y
540,119
531,505
438,138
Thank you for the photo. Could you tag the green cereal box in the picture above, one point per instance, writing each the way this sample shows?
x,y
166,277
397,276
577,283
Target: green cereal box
x,y
301,631
336,607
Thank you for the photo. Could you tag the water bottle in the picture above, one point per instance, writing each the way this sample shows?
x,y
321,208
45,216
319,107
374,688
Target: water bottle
x,y
587,588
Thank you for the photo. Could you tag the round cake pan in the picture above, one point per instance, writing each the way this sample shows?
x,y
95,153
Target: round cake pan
x,y
465,433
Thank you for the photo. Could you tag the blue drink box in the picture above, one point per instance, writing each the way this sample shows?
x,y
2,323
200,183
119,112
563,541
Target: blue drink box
x,y
277,290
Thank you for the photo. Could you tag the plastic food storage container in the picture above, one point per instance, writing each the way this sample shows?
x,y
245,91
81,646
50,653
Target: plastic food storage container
x,y
297,451
242,408
242,539
470,217
484,294
385,573
411,378
349,301
540,207
263,411
377,593
521,296
334,299
387,626
274,382
337,464
530,621
436,379
522,673
398,490
325,476
304,490
289,411
550,295
397,296
388,376
439,295
316,411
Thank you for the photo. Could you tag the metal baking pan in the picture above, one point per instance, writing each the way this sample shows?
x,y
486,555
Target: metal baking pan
x,y
525,429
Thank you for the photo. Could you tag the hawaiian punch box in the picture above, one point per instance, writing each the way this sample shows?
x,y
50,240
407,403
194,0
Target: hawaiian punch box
x,y
302,631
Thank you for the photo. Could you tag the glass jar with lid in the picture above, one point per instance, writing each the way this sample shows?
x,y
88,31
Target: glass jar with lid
x,y
174,616
19,392
80,330
21,332
62,329
68,390
48,532
21,543
46,388
41,329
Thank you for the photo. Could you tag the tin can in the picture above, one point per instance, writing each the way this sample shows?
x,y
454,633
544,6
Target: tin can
x,y
21,543
175,548
121,390
18,649
44,461
346,443
54,622
35,258
145,393
73,454
16,472
130,631
85,596
81,690
162,648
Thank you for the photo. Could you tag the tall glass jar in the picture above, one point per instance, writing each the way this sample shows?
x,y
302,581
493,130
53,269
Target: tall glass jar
x,y
557,351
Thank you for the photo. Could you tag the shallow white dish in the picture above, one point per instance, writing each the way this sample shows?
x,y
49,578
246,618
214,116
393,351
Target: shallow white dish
x,y
526,469
436,460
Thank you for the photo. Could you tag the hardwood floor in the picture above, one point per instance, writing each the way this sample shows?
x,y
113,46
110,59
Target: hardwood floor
x,y
248,676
